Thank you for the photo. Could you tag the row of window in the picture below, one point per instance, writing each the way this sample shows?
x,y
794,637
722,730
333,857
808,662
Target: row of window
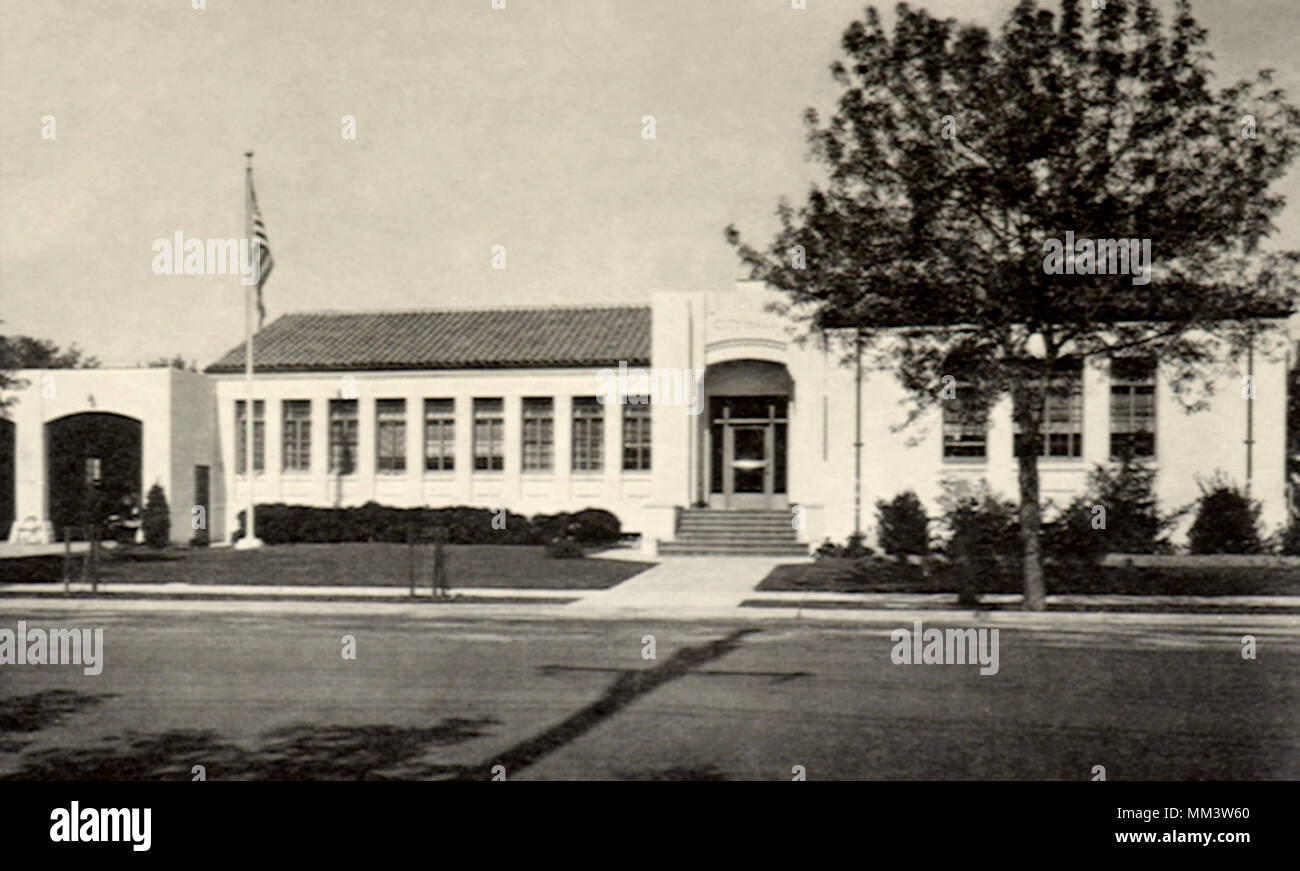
x,y
1132,417
588,428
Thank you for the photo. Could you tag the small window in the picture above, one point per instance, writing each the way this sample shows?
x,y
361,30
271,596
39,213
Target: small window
x,y
241,437
965,426
439,435
636,436
297,435
343,436
489,435
1062,427
539,434
390,435
1132,407
588,434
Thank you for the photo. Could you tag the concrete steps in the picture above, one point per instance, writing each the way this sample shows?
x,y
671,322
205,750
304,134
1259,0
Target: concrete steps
x,y
702,532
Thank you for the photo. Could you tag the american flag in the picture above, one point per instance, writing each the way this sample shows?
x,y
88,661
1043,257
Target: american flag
x,y
265,261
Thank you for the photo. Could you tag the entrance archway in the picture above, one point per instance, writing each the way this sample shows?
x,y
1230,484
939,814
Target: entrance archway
x,y
745,437
93,463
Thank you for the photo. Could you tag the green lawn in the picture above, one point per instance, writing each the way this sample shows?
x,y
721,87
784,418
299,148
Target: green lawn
x,y
468,565
881,576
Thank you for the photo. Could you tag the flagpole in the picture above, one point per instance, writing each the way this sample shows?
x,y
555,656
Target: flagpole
x,y
250,539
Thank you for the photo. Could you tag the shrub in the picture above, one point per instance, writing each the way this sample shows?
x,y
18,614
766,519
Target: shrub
x,y
903,526
1131,522
983,537
564,548
289,524
855,549
589,526
979,523
157,519
1227,520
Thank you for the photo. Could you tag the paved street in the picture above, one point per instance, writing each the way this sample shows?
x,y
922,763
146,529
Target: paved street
x,y
269,696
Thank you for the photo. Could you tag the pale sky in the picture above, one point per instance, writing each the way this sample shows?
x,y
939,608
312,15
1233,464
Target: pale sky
x,y
475,128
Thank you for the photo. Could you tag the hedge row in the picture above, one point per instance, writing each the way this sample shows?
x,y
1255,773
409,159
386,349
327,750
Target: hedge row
x,y
298,524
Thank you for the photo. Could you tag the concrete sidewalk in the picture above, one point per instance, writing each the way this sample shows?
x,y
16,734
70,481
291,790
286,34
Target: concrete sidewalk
x,y
685,588
689,585
285,591
1282,626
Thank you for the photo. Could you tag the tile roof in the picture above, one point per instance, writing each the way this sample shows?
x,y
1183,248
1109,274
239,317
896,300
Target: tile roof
x,y
449,339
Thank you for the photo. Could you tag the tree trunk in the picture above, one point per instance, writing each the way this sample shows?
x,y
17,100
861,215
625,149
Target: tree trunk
x,y
1028,401
1031,522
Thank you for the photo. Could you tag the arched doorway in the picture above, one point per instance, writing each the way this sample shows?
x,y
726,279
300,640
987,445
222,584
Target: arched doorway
x,y
745,439
6,476
93,463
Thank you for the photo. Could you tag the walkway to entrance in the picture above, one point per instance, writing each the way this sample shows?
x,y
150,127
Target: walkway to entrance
x,y
695,584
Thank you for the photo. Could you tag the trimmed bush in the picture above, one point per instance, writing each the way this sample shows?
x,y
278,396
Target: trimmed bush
x,y
1131,523
589,526
903,527
564,548
983,538
980,524
855,549
301,524
157,519
1227,521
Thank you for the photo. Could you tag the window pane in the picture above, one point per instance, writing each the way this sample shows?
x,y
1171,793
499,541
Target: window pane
x,y
241,436
636,437
1132,407
297,435
964,427
588,434
343,436
439,435
489,426
390,435
538,434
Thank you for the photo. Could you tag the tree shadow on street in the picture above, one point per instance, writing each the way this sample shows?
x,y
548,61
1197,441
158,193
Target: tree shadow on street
x,y
299,752
32,713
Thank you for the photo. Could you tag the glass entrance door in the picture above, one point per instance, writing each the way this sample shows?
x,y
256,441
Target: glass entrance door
x,y
749,459
747,436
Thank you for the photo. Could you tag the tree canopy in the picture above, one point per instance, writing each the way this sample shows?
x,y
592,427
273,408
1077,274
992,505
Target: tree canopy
x,y
979,186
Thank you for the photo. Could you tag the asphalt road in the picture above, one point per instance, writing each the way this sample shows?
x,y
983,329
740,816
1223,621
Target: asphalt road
x,y
271,697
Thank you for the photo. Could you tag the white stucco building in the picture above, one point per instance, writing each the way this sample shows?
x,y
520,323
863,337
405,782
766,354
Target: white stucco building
x,y
748,442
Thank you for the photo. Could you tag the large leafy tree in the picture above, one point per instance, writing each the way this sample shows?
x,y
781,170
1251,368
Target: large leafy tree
x,y
955,157
25,352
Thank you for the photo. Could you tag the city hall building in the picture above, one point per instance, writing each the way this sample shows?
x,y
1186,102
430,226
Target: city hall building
x,y
703,420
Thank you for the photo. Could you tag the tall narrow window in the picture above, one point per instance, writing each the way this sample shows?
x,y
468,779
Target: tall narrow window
x,y
539,434
390,435
588,434
1132,407
965,427
297,435
1062,416
241,437
343,436
439,435
636,436
489,435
